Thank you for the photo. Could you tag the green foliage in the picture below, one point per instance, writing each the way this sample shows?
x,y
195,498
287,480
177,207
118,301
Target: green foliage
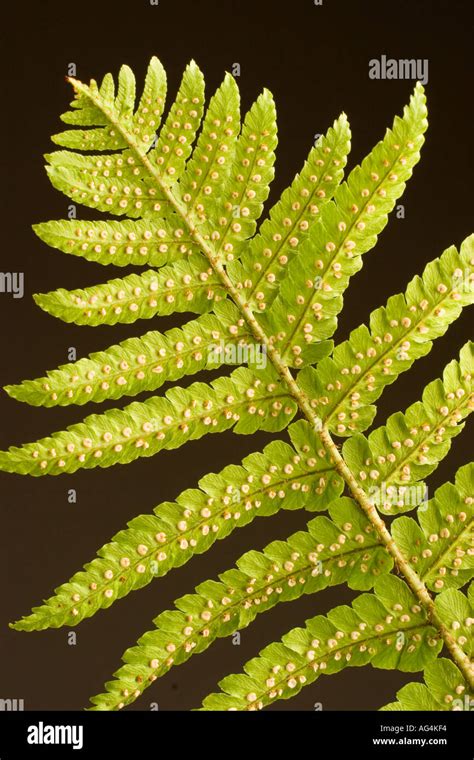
x,y
212,159
343,386
397,456
444,689
457,610
230,218
187,197
86,113
245,401
183,286
280,477
264,263
387,629
439,545
311,292
342,549
145,363
152,241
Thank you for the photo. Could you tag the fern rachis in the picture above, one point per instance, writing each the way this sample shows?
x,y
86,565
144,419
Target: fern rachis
x,y
193,217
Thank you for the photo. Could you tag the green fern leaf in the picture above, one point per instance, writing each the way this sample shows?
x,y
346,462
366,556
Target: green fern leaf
x,y
280,477
210,164
332,551
147,117
152,242
311,292
186,286
387,629
230,218
342,387
100,107
179,130
440,546
144,364
119,183
86,113
392,461
245,401
115,183
266,259
444,689
192,222
457,613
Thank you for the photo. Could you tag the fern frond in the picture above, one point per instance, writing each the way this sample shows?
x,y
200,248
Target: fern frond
x,y
280,236
395,457
280,477
192,218
440,547
457,613
152,242
84,113
142,364
186,286
343,387
176,138
311,292
387,629
94,106
445,688
210,164
148,115
332,551
245,401
115,183
230,218
145,121
120,183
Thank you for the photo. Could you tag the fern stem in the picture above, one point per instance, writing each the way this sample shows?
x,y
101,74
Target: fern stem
x,y
412,578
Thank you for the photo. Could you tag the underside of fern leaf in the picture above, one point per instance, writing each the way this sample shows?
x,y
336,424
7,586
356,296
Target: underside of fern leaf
x,y
280,477
386,629
187,187
444,689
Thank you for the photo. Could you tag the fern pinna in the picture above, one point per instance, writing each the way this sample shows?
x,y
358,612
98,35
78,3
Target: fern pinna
x,y
267,298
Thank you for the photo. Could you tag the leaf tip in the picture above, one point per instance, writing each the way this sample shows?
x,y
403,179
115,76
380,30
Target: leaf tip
x,y
12,390
6,462
17,625
40,300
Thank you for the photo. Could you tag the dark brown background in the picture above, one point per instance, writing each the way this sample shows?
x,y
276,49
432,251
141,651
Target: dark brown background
x,y
315,60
